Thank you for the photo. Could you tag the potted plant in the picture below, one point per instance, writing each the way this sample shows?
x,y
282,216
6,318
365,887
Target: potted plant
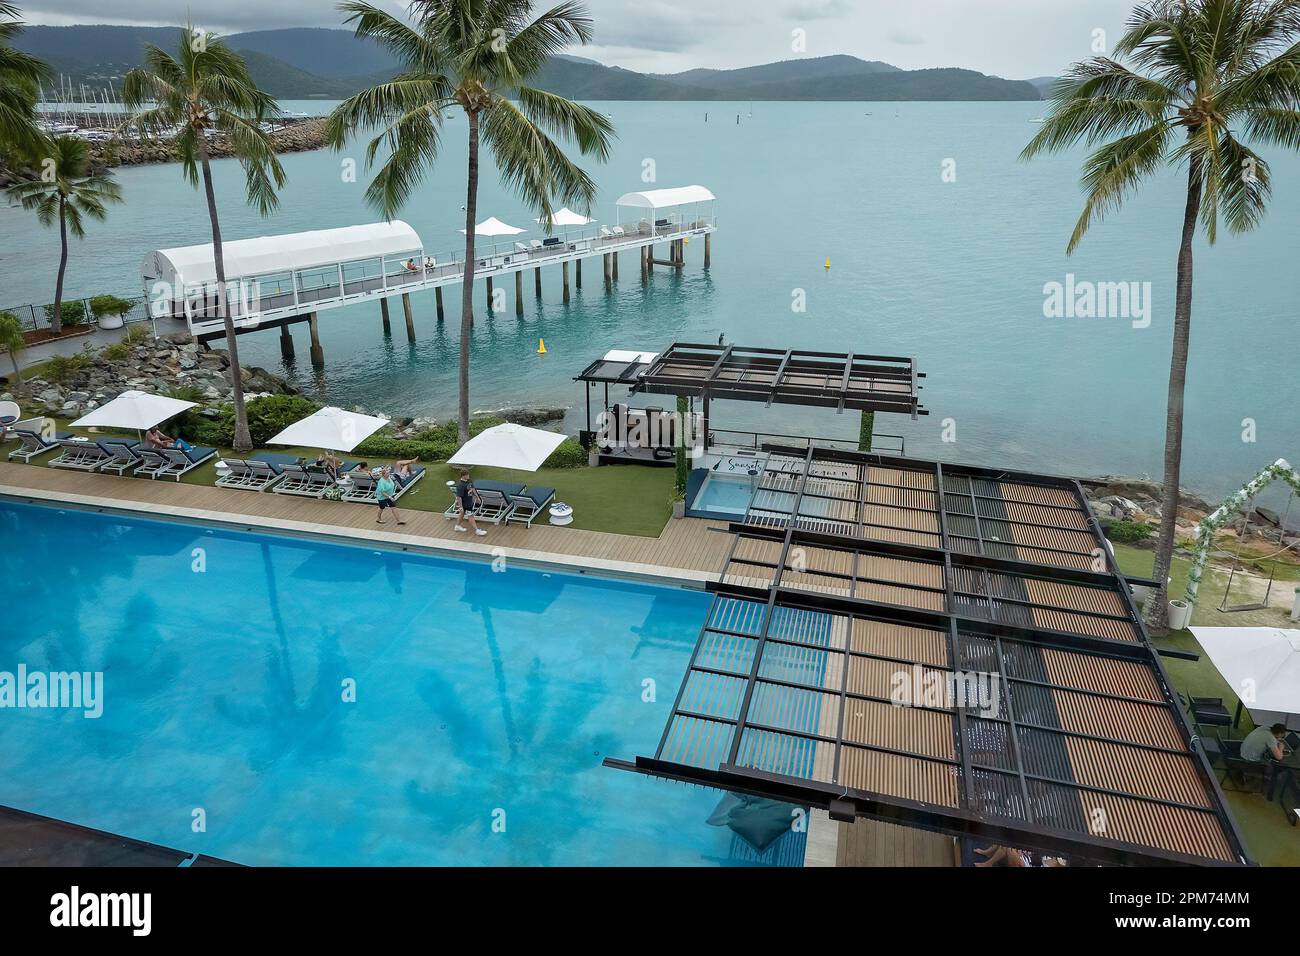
x,y
679,504
109,310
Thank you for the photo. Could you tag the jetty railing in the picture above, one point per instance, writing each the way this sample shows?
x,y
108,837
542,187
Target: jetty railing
x,y
731,438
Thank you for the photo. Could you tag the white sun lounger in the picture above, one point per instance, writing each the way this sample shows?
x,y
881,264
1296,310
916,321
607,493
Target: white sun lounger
x,y
80,455
32,445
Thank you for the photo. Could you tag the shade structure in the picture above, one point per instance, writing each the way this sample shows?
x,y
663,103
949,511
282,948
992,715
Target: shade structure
x,y
332,428
508,446
134,409
565,217
492,226
666,198
1263,666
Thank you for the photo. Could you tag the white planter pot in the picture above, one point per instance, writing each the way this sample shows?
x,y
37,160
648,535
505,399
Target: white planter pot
x,y
679,509
1180,613
110,322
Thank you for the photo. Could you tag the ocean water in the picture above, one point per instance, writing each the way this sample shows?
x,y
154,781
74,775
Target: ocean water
x,y
951,272
484,702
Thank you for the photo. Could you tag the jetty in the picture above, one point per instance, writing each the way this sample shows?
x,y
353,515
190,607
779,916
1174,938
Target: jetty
x,y
283,280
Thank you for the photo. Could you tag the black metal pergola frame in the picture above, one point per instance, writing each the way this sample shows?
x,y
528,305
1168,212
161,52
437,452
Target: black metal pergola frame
x,y
966,634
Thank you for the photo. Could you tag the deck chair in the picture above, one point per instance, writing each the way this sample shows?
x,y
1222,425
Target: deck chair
x,y
524,508
80,455
32,445
535,244
123,456
605,233
171,462
238,474
363,488
306,482
493,506
618,232
504,488
520,247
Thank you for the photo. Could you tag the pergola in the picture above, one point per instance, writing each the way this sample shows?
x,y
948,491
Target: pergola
x,y
692,207
945,647
839,380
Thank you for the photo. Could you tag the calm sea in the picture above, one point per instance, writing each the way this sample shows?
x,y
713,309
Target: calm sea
x,y
949,268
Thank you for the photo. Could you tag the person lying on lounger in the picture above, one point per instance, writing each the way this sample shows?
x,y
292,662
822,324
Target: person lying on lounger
x,y
330,463
155,438
402,469
1004,856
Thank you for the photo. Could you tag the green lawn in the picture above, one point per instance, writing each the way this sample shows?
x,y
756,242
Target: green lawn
x,y
626,499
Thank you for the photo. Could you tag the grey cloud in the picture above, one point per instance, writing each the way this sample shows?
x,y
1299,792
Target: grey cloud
x,y
817,10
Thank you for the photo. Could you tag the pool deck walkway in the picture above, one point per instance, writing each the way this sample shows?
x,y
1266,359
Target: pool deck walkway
x,y
689,551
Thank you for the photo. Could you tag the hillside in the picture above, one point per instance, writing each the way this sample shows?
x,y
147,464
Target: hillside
x,y
331,64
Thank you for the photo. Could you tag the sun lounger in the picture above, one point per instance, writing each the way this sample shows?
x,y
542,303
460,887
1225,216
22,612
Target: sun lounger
x,y
520,247
363,486
605,233
550,241
239,474
171,462
80,455
124,454
257,473
33,445
306,482
524,508
499,491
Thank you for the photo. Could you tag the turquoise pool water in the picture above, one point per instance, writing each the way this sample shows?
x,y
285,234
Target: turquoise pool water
x,y
480,698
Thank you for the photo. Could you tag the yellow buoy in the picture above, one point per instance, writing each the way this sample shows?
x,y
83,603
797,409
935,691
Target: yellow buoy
x,y
541,346
828,262
686,241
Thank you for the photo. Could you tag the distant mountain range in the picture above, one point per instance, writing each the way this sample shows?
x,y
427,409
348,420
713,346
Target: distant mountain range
x,y
305,63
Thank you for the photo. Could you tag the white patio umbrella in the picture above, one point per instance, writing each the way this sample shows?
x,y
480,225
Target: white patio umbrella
x,y
508,446
1262,664
565,217
492,226
134,409
331,428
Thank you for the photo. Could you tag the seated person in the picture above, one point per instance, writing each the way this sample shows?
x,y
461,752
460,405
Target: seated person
x,y
330,464
1263,742
155,438
411,266
402,470
1005,856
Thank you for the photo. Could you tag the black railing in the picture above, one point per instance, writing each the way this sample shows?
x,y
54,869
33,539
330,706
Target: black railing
x,y
35,317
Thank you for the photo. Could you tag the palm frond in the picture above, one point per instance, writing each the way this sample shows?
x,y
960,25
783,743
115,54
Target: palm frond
x,y
1114,170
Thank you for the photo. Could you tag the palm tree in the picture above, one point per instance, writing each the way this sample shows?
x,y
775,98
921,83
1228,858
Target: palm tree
x,y
207,90
1191,81
13,342
475,55
66,191
20,78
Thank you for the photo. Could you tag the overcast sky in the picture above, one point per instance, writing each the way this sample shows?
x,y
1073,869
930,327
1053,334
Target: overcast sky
x,y
1011,38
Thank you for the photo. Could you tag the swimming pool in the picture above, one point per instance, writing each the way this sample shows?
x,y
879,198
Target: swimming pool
x,y
484,701
728,486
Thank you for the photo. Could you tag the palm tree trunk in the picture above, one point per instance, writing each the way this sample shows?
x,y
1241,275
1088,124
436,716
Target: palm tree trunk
x,y
467,285
56,320
1156,610
18,373
242,441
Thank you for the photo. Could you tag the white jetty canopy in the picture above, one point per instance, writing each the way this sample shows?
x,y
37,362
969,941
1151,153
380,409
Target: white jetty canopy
x,y
276,277
244,258
688,201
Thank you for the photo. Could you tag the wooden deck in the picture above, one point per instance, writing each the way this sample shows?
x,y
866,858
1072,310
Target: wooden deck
x,y
873,843
688,549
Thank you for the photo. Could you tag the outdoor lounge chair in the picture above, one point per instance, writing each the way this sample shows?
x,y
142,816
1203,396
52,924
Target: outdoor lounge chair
x,y
264,470
520,247
307,482
524,508
535,244
550,241
605,233
502,490
33,445
124,455
363,486
171,462
239,474
80,455
618,232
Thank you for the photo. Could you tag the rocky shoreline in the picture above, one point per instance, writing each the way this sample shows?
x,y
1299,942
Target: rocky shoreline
x,y
296,136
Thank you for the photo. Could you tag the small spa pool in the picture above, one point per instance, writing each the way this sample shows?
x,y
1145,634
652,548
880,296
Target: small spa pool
x,y
326,704
724,488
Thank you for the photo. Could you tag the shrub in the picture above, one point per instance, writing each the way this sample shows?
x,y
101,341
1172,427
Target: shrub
x,y
273,413
386,446
63,368
74,312
116,352
137,333
1127,532
102,305
570,454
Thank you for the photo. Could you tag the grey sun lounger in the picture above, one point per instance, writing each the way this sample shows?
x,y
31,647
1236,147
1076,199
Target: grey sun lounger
x,y
500,493
524,508
80,455
124,454
257,473
363,486
171,462
33,445
304,481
